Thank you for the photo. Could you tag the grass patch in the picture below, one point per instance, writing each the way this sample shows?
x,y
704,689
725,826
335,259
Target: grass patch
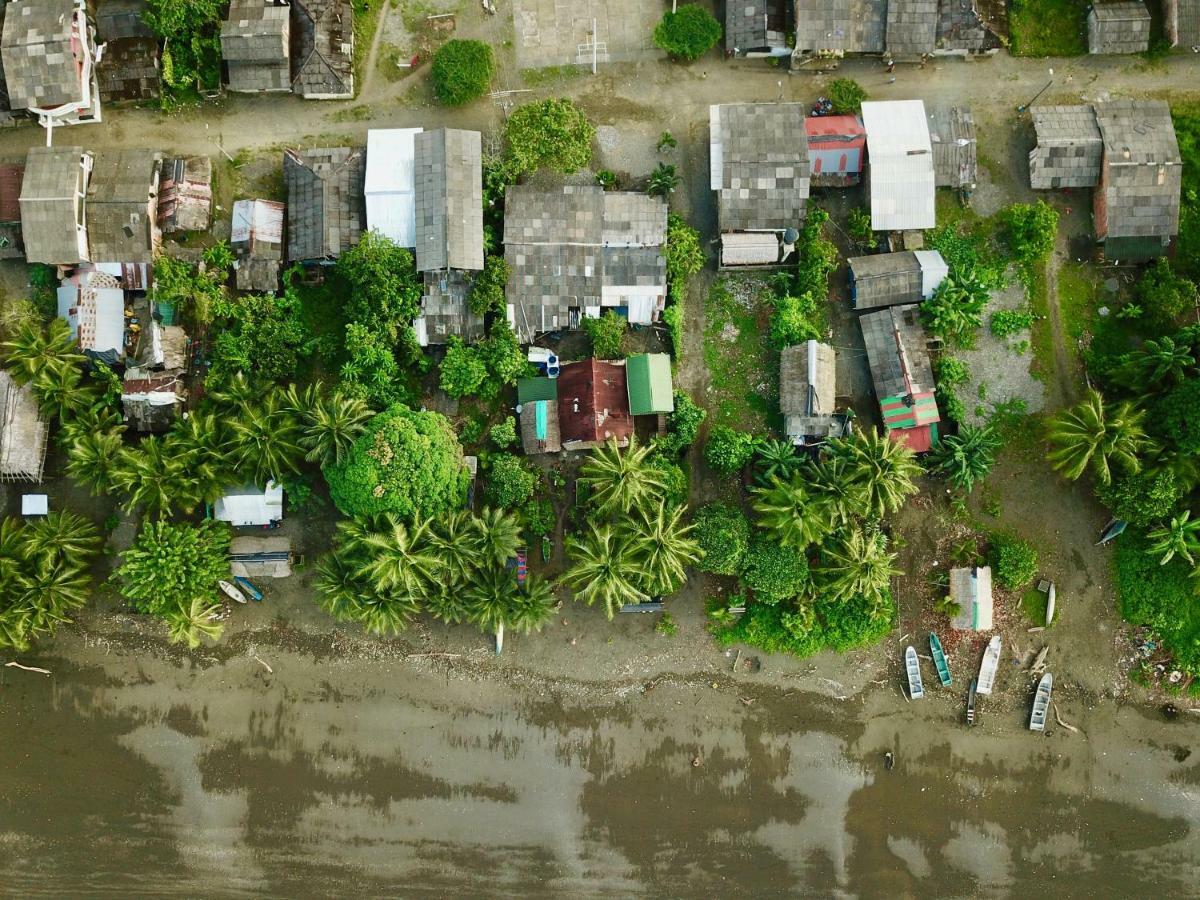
x,y
743,367
1041,335
1048,27
1160,597
550,75
359,113
1033,604
366,23
390,57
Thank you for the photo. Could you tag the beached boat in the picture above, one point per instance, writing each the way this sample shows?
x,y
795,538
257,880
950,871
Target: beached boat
x,y
913,665
245,585
1050,604
971,703
939,659
231,591
1041,703
987,668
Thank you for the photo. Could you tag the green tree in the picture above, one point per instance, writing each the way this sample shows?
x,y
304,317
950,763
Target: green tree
x,y
1163,294
622,481
60,534
955,311
796,320
967,457
792,512
504,434
497,536
510,481
858,565
92,458
728,451
1174,416
348,597
774,572
191,37
723,535
663,180
396,557
385,289
462,71
1029,229
1094,434
1144,497
550,134
263,335
495,602
454,541
487,290
184,286
607,333
332,423
1154,363
1179,536
503,358
604,568
1014,561
61,391
371,372
884,470
666,547
266,440
155,478
687,33
847,96
34,349
683,426
462,370
684,252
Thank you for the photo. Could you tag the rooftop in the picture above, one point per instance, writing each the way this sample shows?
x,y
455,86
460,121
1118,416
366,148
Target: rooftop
x,y
39,49
900,367
759,165
390,183
122,206
1181,22
325,201
893,279
854,26
51,203
650,386
952,136
808,391
1120,26
593,404
323,49
1069,147
1140,196
22,432
901,165
911,27
255,41
449,200
755,24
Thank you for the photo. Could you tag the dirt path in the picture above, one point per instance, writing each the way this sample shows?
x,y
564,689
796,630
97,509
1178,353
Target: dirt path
x,y
1066,381
365,93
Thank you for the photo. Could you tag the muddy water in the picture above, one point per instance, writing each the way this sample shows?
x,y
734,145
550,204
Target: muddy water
x,y
123,774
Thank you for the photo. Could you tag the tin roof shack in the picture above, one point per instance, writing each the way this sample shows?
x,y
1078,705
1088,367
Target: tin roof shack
x,y
903,376
161,347
837,27
94,307
323,49
445,309
894,279
1136,203
48,49
911,28
390,185
12,244
1069,148
577,250
22,432
537,399
325,202
651,391
962,29
1120,26
185,194
952,135
593,404
52,204
900,157
256,239
836,150
152,401
759,169
260,557
808,393
250,506
971,589
122,206
255,42
129,68
757,28
1181,22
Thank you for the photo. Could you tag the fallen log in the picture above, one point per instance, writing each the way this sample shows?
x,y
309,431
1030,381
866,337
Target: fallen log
x,y
17,665
1059,719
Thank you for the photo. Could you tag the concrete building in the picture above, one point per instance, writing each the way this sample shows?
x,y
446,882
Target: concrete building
x,y
53,189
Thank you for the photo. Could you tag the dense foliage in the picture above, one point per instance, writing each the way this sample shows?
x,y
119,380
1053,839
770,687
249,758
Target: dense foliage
x,y
462,71
191,36
1160,596
683,425
262,335
729,450
550,134
688,33
724,535
847,95
510,480
607,333
1163,295
1014,561
1186,117
773,572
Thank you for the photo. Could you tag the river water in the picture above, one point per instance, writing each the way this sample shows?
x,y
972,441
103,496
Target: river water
x,y
129,775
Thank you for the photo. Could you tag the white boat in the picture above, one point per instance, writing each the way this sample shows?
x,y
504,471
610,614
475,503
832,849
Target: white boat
x,y
230,590
1050,604
1041,703
913,665
987,668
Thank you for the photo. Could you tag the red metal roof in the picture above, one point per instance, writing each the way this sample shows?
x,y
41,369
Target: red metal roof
x,y
918,439
835,131
593,402
10,192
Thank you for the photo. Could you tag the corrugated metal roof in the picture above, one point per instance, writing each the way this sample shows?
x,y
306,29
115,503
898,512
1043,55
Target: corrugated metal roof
x,y
763,179
650,387
449,200
250,506
390,186
593,403
901,165
530,389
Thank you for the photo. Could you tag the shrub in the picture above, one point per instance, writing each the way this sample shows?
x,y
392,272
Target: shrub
x,y
796,320
552,134
666,626
607,179
1158,596
510,480
462,371
607,334
728,450
1007,322
663,180
773,572
537,517
684,252
264,335
809,628
1164,295
462,71
1142,498
724,535
1174,416
675,479
858,225
505,434
683,426
1014,560
847,95
1029,230
955,311
487,290
688,33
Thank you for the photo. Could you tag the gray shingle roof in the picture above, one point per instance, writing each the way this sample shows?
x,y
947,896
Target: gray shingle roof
x,y
39,63
325,201
1181,22
50,205
911,27
755,24
855,26
764,167
1069,148
444,308
1121,26
323,58
960,27
808,404
952,134
117,19
129,69
122,206
255,41
1144,170
449,200
885,279
880,330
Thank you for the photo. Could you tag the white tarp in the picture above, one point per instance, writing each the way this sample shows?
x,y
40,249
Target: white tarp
x,y
901,165
251,506
390,186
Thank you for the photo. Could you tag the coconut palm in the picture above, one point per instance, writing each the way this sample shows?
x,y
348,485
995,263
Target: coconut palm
x,y
331,425
198,619
1093,434
1157,362
235,393
60,534
858,565
665,548
497,535
32,349
792,512
967,457
347,596
775,459
604,568
495,602
1178,537
455,540
155,478
47,593
92,458
61,390
98,417
203,442
884,470
398,557
12,550
833,490
265,440
449,604
621,480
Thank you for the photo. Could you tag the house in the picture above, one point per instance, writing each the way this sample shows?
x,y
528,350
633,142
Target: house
x,y
837,27
325,202
323,49
256,240
593,404
152,400
445,309
53,189
962,29
161,348
94,307
250,506
129,67
577,250
648,379
911,28
48,49
1069,148
900,156
808,393
756,28
12,245
759,169
23,432
895,279
122,206
1181,22
899,360
185,194
971,589
390,184
952,135
251,556
537,404
1118,26
836,150
449,200
255,43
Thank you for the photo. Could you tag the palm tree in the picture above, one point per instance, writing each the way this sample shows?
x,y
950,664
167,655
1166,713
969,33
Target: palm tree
x,y
967,457
60,535
622,480
449,604
236,393
775,459
455,541
204,443
665,548
12,550
604,568
1090,434
346,595
835,494
96,418
92,458
884,470
495,601
32,349
859,565
198,619
792,512
399,557
47,593
1178,537
265,440
155,478
1158,361
497,535
331,426
61,391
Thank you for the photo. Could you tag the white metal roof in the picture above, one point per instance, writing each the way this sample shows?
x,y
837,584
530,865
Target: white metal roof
x,y
390,185
259,218
933,270
901,165
716,152
96,317
251,506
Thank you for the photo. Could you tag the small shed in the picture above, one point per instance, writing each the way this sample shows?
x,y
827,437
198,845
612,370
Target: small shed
x,y
955,154
894,279
445,309
94,308
757,28
129,68
185,194
593,404
23,432
540,431
901,178
971,589
808,393
256,239
651,391
1119,26
1181,22
250,506
1069,148
260,557
836,150
898,356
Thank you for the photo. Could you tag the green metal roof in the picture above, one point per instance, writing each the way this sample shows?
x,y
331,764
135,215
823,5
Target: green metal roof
x,y
650,388
531,389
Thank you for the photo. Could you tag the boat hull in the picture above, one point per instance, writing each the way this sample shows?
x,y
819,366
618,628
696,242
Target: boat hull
x,y
1041,703
989,666
913,667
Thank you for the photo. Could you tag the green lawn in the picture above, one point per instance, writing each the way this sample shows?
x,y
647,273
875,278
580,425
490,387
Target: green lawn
x,y
1033,602
1048,27
743,368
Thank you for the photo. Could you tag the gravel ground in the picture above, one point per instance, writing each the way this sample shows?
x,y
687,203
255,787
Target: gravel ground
x,y
999,368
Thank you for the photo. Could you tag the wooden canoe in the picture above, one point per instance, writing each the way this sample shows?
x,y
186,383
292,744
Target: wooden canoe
x,y
939,659
231,591
987,668
971,703
913,666
1041,703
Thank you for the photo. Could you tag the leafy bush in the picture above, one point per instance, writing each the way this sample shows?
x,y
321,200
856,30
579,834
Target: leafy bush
x,y
1142,498
192,292
552,134
607,179
773,572
683,426
537,517
688,33
728,450
462,71
1007,322
1014,561
462,371
1159,596
955,311
385,289
263,336
796,320
818,256
684,252
487,290
808,629
191,37
951,372
1029,230
1174,416
505,434
858,225
370,371
663,180
675,479
607,334
1164,295
847,95
510,481
724,535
